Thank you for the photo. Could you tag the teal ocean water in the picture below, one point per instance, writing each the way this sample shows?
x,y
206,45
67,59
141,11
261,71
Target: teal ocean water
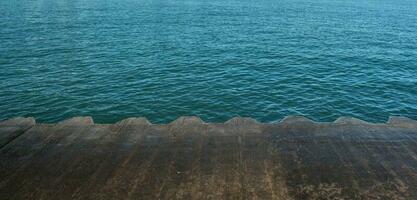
x,y
216,59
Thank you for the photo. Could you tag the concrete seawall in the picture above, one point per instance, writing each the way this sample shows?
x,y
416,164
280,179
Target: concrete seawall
x,y
189,159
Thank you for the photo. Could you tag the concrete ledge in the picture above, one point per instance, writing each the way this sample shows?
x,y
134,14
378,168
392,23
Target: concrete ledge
x,y
139,121
192,120
13,128
77,121
19,121
188,158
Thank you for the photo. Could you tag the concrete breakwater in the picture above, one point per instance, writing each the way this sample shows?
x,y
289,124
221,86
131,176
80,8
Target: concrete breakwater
x,y
189,159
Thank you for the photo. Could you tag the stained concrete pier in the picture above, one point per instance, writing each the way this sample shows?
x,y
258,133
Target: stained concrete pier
x,y
190,159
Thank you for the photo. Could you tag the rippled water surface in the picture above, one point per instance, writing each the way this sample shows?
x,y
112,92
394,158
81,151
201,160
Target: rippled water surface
x,y
216,59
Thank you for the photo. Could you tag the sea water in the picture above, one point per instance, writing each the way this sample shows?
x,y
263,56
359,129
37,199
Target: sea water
x,y
215,59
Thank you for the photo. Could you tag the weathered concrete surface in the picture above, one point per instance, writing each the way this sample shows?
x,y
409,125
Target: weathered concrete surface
x,y
189,159
11,129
